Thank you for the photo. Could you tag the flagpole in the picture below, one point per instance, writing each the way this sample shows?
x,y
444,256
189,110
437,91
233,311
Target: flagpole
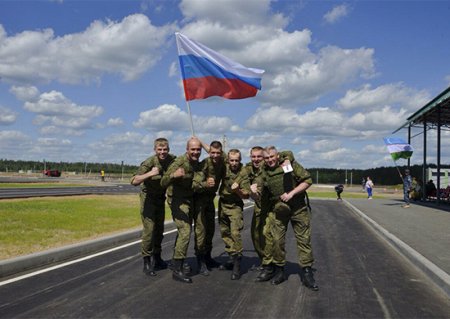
x,y
190,117
395,163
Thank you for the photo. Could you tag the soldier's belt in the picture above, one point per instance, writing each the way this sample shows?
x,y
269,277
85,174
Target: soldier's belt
x,y
230,200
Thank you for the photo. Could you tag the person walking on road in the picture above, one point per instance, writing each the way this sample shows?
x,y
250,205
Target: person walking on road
x,y
369,187
407,186
180,180
287,187
339,189
152,200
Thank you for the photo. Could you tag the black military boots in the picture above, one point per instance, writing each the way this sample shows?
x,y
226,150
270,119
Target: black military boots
x,y
308,279
202,269
279,276
236,272
178,273
266,274
149,266
159,262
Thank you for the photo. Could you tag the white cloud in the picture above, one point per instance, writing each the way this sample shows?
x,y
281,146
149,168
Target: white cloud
x,y
380,119
173,69
131,147
378,149
171,117
326,122
58,130
395,94
13,143
55,103
61,114
332,68
117,121
25,93
336,14
325,145
164,117
214,124
128,47
321,120
52,149
230,13
12,137
7,116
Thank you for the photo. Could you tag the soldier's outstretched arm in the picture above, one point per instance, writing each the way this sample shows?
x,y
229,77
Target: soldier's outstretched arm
x,y
205,146
286,156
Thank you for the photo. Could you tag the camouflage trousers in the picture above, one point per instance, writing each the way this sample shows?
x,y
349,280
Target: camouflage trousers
x,y
204,222
152,217
300,217
231,223
257,230
182,214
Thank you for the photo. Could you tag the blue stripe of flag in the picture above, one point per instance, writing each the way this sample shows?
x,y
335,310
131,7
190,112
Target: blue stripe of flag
x,y
198,67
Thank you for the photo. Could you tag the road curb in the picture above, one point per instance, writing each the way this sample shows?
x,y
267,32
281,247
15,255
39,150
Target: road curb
x,y
25,263
436,274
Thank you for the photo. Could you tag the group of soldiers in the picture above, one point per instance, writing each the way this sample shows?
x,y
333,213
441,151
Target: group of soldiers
x,y
274,180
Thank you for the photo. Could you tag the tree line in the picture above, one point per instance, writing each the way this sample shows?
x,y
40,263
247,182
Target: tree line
x,y
78,167
380,175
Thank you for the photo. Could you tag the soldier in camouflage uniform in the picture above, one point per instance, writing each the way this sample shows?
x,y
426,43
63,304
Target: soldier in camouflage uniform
x,y
288,204
260,226
152,197
234,187
255,171
180,180
213,168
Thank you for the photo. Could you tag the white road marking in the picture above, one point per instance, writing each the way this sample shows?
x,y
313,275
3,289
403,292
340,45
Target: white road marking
x,y
38,272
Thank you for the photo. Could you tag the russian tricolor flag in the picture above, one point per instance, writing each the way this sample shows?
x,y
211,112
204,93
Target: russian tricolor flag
x,y
208,73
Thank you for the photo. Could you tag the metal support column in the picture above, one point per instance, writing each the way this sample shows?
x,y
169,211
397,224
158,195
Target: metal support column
x,y
438,185
409,142
424,167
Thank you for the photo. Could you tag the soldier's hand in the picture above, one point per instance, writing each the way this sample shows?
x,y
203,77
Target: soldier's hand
x,y
179,172
154,171
286,162
254,188
210,182
234,186
285,197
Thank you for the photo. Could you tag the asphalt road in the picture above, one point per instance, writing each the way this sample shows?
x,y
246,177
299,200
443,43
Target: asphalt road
x,y
358,274
66,191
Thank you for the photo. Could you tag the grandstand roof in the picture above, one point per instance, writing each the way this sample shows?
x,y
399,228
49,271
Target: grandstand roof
x,y
429,113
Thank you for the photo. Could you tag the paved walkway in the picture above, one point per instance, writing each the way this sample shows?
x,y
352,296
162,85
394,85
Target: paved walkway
x,y
420,232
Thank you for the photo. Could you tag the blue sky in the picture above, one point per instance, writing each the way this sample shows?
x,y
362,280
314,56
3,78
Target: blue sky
x,y
98,81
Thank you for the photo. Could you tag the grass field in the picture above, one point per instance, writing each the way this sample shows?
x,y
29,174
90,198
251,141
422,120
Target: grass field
x,y
37,224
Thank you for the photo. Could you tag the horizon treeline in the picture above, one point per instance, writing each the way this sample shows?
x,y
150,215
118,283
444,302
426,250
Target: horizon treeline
x,y
380,175
78,167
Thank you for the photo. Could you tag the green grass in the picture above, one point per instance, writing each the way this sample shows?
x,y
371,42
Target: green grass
x,y
33,225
